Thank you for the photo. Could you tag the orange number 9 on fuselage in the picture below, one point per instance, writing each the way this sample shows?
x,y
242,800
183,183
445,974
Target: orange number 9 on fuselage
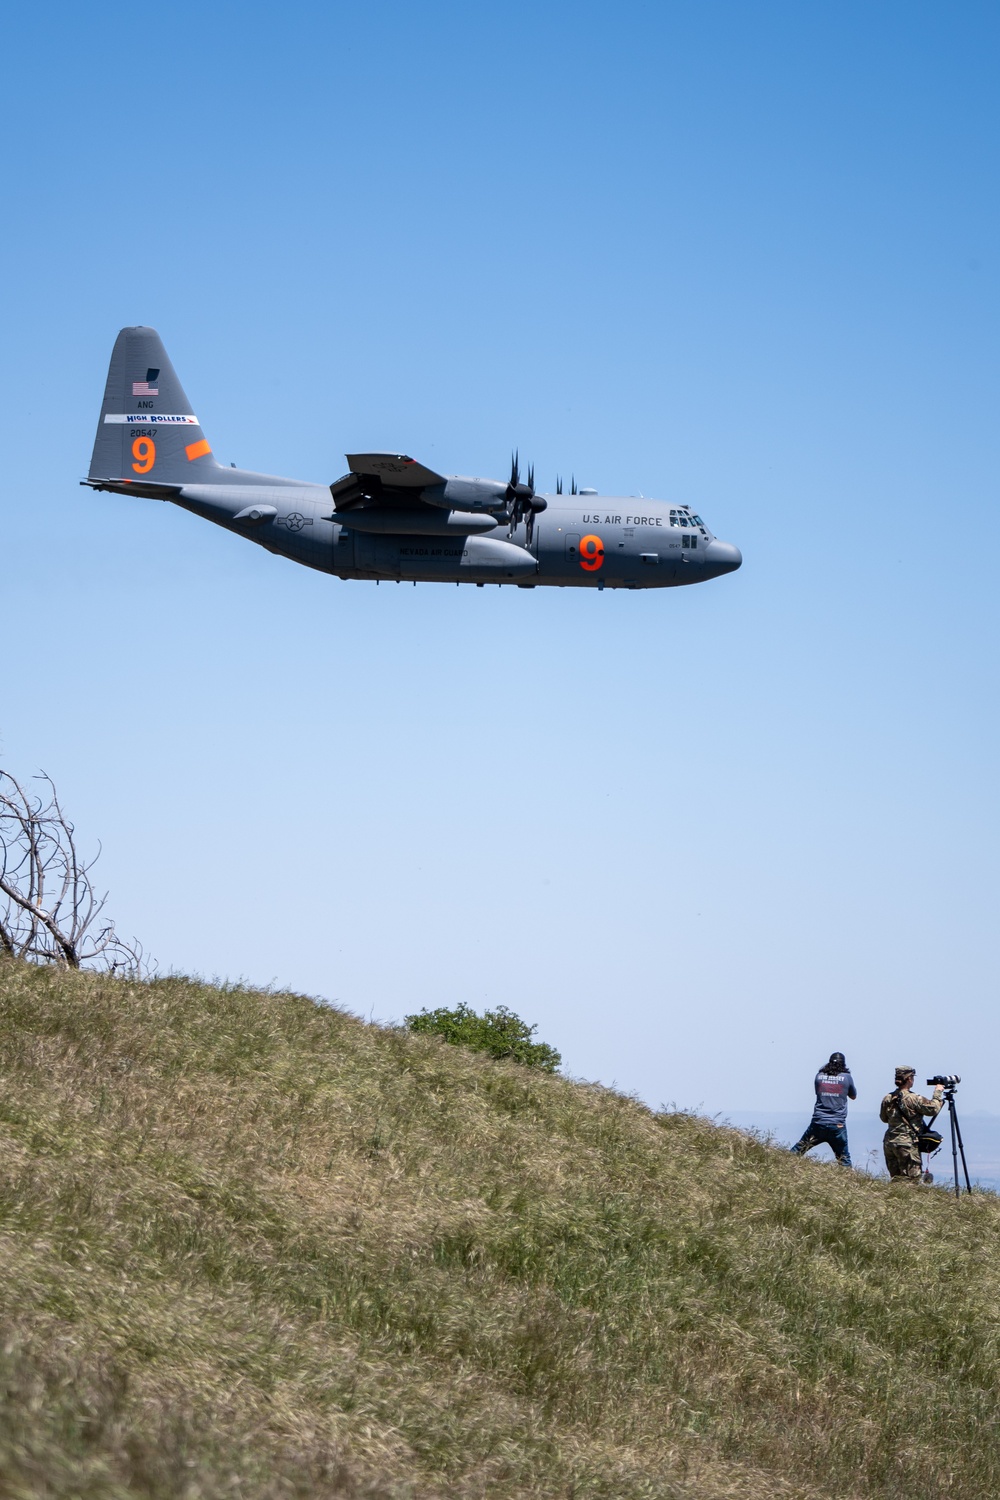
x,y
591,553
144,453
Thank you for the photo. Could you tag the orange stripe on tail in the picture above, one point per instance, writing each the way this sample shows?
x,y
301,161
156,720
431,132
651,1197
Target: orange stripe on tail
x,y
197,450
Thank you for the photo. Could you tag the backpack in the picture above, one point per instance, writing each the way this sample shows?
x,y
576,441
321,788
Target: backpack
x,y
928,1140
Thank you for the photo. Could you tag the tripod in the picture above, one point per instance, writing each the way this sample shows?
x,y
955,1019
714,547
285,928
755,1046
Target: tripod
x,y
957,1144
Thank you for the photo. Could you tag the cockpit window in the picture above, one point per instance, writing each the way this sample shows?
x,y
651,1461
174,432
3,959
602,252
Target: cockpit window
x,y
685,518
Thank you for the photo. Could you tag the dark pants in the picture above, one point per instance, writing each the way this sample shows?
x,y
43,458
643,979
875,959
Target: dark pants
x,y
834,1136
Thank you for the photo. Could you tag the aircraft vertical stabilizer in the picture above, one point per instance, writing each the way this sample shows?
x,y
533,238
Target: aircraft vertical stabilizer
x,y
148,432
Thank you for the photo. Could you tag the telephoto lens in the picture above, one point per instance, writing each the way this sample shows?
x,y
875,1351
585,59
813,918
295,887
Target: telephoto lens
x,y
946,1080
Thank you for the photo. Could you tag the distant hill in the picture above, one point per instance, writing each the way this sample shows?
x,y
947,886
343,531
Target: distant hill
x,y
254,1247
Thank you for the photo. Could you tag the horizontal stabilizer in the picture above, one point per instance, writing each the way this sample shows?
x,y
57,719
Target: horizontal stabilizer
x,y
145,488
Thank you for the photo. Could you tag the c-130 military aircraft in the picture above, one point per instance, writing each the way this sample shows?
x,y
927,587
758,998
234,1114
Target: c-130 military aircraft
x,y
391,517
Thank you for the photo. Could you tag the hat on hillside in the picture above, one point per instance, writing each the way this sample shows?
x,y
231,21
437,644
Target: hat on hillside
x,y
902,1074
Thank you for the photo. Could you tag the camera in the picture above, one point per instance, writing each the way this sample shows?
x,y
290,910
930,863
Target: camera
x,y
946,1080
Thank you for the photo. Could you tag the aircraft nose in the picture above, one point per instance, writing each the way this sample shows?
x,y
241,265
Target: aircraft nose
x,y
723,557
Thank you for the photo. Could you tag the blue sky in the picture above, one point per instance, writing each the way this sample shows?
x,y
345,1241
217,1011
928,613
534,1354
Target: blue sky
x,y
744,256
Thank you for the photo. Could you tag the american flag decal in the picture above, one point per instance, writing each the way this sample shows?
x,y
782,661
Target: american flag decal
x,y
143,388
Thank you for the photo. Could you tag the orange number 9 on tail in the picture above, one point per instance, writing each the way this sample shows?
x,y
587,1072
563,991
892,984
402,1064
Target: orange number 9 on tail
x,y
144,453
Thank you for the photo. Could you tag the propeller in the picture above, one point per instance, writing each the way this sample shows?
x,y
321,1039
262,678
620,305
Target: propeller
x,y
519,496
522,502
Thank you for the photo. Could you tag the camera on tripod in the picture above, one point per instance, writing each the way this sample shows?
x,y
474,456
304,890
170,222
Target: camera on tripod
x,y
949,1083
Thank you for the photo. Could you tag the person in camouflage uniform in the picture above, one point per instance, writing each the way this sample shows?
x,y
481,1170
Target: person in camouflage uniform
x,y
903,1112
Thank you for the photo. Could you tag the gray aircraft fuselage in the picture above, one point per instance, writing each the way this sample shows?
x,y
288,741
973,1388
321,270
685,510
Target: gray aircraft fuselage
x,y
390,518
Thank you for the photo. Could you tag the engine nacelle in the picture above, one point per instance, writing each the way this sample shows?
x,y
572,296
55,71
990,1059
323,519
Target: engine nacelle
x,y
459,493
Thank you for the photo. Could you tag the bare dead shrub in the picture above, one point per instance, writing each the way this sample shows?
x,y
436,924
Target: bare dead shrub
x,y
50,911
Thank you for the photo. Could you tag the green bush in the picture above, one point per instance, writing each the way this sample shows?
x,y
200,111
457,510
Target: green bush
x,y
498,1032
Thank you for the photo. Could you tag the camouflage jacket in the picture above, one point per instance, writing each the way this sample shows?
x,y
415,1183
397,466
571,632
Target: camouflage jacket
x,y
903,1111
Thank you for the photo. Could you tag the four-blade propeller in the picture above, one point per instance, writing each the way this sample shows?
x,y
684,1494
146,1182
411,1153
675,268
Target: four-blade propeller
x,y
522,502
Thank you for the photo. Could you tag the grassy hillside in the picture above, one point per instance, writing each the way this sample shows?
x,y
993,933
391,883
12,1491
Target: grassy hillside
x,y
251,1247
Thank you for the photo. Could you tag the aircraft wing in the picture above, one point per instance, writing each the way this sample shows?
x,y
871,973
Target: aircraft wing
x,y
395,470
383,480
393,494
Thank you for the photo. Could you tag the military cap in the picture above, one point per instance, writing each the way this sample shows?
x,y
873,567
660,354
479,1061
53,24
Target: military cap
x,y
903,1073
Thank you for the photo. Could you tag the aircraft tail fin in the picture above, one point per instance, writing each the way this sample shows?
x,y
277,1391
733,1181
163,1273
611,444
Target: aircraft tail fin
x,y
148,433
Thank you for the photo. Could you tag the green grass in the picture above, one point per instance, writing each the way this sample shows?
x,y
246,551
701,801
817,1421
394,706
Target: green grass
x,y
251,1246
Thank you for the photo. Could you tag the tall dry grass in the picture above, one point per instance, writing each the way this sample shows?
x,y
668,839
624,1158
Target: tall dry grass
x,y
251,1246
